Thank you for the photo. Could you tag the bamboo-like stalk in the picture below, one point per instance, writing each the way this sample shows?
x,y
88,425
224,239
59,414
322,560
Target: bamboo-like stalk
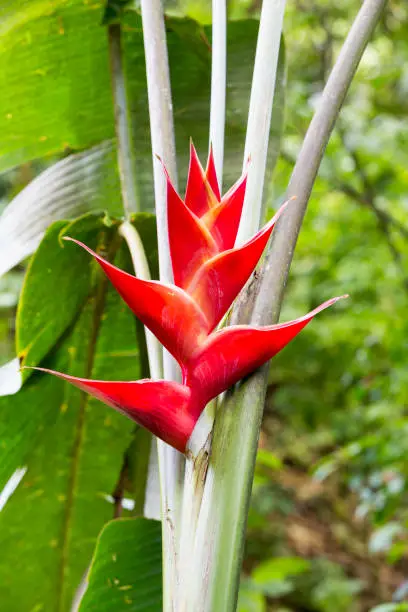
x,y
126,162
171,463
222,521
218,83
260,113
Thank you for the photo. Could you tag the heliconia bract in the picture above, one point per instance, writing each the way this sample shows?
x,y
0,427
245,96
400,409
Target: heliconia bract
x,y
208,275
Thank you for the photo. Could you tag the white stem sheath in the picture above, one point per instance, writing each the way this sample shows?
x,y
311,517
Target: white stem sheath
x,y
218,83
171,463
141,267
260,113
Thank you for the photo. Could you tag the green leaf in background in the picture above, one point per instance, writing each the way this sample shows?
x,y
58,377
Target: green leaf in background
x,y
72,446
250,600
265,458
137,464
55,82
71,94
77,184
126,572
273,577
391,607
57,283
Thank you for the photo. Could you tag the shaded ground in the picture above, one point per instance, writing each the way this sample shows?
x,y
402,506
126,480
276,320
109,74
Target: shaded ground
x,y
292,515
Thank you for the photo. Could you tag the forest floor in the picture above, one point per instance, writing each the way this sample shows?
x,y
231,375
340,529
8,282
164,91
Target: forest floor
x,y
294,515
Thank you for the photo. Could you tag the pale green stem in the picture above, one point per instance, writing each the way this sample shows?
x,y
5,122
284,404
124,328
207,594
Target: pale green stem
x,y
196,470
141,267
126,161
152,505
222,521
285,235
259,119
198,449
218,83
199,442
155,359
128,182
260,113
171,463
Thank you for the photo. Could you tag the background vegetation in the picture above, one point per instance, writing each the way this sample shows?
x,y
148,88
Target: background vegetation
x,y
328,522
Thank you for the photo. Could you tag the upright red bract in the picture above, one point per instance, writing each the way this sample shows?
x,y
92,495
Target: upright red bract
x,y
209,272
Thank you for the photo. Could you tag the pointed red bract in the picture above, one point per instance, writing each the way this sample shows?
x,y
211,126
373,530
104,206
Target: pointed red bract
x,y
223,220
218,282
163,407
170,313
191,244
232,353
211,174
199,195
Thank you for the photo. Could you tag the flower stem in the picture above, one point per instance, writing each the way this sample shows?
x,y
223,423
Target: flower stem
x,y
200,441
285,235
128,182
171,463
221,526
141,267
155,359
126,161
218,83
260,113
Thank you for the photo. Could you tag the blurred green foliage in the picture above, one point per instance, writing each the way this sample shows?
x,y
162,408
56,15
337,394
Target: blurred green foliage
x,y
338,395
345,380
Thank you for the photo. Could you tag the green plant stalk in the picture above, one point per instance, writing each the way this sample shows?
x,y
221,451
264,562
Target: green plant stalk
x,y
221,528
155,358
218,83
128,183
141,267
260,114
126,162
152,506
171,463
200,441
198,450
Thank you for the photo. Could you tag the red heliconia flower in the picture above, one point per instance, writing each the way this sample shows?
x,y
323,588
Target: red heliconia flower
x,y
208,275
167,409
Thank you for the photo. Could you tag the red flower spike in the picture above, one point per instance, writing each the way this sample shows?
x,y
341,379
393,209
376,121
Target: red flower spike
x,y
209,273
165,408
223,220
218,282
211,174
191,244
170,313
199,196
234,352
220,216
